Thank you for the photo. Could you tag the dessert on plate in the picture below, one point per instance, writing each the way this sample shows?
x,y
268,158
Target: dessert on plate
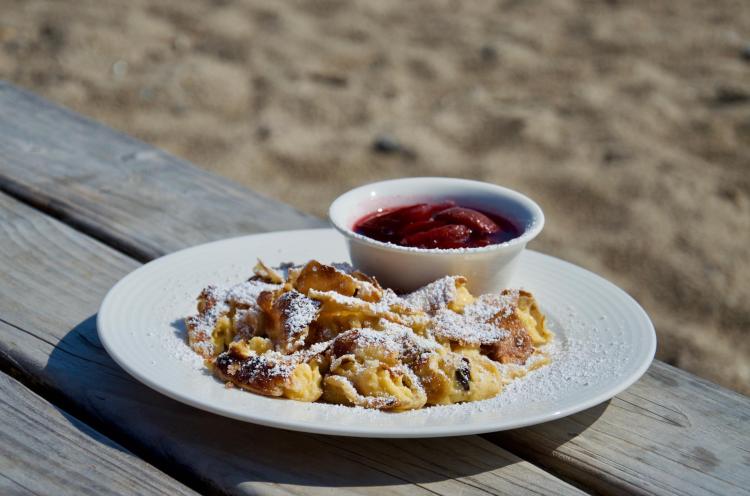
x,y
330,333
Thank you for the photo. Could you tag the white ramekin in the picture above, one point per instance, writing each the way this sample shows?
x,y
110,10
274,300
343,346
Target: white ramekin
x,y
488,268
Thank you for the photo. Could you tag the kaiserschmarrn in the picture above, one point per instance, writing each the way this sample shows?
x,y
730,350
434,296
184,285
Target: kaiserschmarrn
x,y
331,333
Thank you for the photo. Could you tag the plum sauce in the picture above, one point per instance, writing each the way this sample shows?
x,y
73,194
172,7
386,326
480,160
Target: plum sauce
x,y
440,225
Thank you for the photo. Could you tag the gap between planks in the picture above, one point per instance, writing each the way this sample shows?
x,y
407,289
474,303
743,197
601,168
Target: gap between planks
x,y
670,433
45,450
220,454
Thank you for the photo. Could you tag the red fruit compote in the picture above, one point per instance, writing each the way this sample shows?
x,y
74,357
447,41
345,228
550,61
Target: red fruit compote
x,y
439,225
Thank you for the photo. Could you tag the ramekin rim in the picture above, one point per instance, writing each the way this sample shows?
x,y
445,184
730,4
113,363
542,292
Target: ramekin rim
x,y
530,232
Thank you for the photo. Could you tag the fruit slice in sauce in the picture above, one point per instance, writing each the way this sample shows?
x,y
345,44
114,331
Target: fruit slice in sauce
x,y
450,236
442,225
388,225
468,217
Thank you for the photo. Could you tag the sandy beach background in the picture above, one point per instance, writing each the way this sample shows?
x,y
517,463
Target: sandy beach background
x,y
629,122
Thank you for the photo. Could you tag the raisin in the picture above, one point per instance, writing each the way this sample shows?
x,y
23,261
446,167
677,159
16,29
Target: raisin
x,y
463,374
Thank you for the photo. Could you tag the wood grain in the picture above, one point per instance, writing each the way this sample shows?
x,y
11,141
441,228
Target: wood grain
x,y
52,279
117,189
44,450
670,433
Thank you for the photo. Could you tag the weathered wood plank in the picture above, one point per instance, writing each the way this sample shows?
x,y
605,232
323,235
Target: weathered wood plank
x,y
44,450
117,189
671,433
52,279
581,447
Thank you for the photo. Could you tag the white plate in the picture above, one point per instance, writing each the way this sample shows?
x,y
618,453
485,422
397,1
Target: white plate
x,y
604,342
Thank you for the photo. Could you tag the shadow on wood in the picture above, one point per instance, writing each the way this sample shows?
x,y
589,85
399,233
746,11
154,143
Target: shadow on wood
x,y
174,436
540,442
52,280
45,450
571,426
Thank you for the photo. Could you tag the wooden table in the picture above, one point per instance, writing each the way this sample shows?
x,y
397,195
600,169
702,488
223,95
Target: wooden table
x,y
82,205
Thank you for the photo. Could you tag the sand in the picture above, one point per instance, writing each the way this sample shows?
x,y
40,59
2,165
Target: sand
x,y
629,122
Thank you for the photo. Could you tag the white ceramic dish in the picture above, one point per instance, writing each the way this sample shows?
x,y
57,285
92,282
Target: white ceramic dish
x,y
604,342
488,268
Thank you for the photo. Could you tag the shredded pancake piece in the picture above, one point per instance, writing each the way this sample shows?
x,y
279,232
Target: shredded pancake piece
x,y
331,333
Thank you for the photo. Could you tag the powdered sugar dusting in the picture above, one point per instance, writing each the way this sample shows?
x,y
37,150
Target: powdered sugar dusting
x,y
246,293
405,332
217,303
590,352
577,360
178,349
464,329
391,337
373,308
488,306
434,296
299,312
477,323
270,366
201,326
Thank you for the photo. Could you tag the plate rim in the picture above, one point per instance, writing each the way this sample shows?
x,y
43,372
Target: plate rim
x,y
365,431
